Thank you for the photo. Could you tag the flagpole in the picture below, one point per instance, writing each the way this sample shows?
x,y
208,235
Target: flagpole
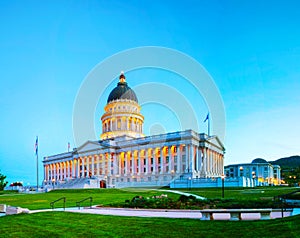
x,y
37,162
208,129
208,124
37,171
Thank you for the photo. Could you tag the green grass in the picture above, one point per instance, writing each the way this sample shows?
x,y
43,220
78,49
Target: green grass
x,y
64,224
242,193
114,196
100,196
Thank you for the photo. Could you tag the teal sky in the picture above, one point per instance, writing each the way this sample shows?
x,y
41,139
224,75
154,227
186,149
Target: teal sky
x,y
250,48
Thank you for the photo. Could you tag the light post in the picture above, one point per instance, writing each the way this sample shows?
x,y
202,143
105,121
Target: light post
x,y
190,183
241,171
253,178
223,178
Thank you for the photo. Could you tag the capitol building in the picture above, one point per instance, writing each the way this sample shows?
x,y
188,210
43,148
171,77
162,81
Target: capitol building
x,y
125,157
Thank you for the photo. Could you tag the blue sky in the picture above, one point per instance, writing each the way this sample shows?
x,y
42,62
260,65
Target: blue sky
x,y
250,48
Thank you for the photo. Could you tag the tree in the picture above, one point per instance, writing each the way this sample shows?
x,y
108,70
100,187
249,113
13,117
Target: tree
x,y
3,183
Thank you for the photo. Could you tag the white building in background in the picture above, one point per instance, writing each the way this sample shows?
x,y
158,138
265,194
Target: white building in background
x,y
259,172
124,157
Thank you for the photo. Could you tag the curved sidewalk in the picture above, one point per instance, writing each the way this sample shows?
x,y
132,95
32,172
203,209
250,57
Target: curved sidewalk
x,y
195,214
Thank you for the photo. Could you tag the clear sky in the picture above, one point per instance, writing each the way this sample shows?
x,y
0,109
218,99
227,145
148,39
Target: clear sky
x,y
250,48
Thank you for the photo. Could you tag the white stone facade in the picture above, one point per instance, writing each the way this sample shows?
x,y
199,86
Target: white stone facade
x,y
261,174
124,157
139,162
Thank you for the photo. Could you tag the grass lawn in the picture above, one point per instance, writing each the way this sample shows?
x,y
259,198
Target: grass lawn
x,y
64,224
100,196
242,193
113,196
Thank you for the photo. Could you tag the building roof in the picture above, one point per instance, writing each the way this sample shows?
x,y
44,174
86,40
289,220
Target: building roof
x,y
122,91
259,161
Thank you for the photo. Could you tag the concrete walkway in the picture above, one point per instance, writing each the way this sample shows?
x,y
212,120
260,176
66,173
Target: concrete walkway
x,y
131,212
194,214
181,193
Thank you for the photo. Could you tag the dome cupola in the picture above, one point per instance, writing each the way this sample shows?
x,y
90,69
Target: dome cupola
x,y
122,91
122,113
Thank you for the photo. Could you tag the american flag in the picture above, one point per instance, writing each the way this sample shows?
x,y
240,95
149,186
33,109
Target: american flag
x,y
36,145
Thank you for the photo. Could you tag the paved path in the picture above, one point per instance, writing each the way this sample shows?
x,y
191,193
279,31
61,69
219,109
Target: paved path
x,y
181,193
192,214
195,214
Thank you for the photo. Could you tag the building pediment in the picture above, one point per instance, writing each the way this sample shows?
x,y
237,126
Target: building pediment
x,y
214,140
89,146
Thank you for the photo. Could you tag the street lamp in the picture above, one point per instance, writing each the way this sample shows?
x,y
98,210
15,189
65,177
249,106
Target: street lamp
x,y
241,171
190,182
253,178
223,178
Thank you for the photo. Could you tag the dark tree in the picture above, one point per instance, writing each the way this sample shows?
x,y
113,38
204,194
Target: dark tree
x,y
3,183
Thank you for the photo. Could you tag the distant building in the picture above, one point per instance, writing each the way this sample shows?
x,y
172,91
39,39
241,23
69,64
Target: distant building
x,y
259,172
124,157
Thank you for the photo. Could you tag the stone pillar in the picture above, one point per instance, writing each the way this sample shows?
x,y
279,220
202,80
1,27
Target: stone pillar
x,y
197,159
187,158
171,159
179,160
162,160
119,162
206,160
93,165
72,175
139,161
133,160
102,164
82,167
77,167
192,158
97,165
154,161
45,172
65,170
126,162
147,160
54,171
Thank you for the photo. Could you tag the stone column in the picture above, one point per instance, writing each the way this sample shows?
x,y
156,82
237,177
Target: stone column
x,y
162,160
126,162
133,160
206,160
72,175
97,165
179,160
64,170
45,172
171,159
54,171
147,160
187,158
93,166
102,164
139,161
197,159
77,167
119,162
154,161
82,167
192,158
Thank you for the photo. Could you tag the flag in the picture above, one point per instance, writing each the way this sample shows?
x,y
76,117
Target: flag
x,y
207,117
36,145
